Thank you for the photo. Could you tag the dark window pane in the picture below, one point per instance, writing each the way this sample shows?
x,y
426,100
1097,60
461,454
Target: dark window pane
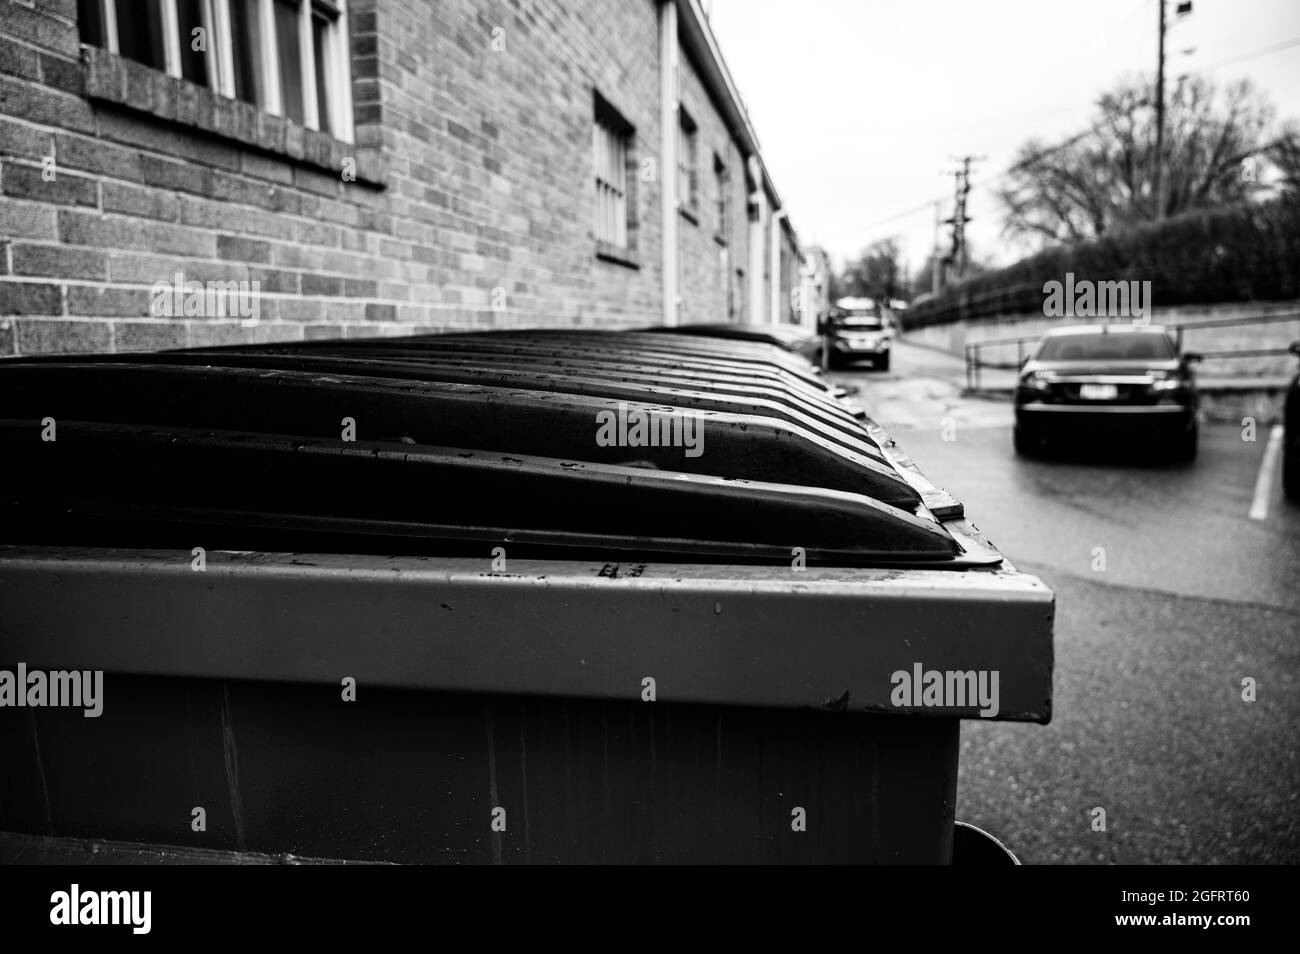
x,y
139,32
90,17
246,38
319,35
194,66
723,185
286,42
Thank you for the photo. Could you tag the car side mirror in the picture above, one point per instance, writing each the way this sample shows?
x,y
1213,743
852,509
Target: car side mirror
x,y
1295,348
1193,357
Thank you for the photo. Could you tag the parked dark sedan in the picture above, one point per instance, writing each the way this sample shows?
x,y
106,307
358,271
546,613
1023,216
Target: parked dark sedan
x,y
1291,436
1104,382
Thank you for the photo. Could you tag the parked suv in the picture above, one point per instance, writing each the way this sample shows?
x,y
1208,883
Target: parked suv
x,y
861,338
1107,381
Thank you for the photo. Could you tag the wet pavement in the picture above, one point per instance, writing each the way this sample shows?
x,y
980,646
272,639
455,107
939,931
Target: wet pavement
x,y
1169,595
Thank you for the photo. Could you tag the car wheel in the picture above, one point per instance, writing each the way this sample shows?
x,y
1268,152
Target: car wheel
x,y
1024,444
1185,446
883,363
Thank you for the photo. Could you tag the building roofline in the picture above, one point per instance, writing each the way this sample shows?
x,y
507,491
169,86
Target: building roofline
x,y
788,227
696,35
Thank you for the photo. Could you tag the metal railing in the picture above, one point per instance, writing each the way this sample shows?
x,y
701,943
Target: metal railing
x,y
974,360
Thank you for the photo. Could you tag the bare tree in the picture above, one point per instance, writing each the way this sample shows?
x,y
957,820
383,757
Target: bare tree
x,y
876,273
1284,153
1102,179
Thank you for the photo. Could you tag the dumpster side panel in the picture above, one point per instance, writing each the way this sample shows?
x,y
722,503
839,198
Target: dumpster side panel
x,y
743,636
415,777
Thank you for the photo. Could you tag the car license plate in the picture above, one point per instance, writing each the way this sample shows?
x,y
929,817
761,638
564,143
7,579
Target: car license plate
x,y
1098,392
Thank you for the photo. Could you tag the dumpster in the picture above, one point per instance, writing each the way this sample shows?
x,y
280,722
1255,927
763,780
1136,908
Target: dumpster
x,y
503,597
790,337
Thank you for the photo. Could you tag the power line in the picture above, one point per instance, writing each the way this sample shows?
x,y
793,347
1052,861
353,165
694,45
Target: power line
x,y
1066,143
928,203
1248,55
1098,127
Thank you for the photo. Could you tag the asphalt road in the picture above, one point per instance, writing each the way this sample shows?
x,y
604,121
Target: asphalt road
x,y
1168,594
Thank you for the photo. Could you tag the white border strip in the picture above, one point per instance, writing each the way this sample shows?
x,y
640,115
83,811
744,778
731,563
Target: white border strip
x,y
1267,468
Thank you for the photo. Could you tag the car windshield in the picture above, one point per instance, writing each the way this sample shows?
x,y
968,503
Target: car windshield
x,y
1105,346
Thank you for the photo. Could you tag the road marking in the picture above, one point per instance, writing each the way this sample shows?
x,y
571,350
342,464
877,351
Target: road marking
x,y
1264,482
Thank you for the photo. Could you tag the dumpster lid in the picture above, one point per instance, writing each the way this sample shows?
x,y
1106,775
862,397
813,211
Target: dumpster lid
x,y
574,443
785,336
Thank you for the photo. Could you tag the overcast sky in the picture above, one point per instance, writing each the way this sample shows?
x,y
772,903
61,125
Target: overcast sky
x,y
859,104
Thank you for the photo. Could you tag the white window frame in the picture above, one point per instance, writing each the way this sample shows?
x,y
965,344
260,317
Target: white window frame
x,y
221,61
609,155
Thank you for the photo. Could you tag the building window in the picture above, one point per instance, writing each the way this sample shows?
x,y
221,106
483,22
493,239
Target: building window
x,y
611,140
286,57
722,183
687,184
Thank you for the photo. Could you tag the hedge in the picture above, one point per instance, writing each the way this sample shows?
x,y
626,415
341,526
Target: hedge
x,y
1243,252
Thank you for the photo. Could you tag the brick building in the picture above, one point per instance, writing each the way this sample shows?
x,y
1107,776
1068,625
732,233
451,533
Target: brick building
x,y
373,167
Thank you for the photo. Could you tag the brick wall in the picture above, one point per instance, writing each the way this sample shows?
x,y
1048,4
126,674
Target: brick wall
x,y
472,205
704,273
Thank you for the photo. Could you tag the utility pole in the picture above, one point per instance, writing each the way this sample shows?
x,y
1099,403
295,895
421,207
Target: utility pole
x,y
958,223
936,266
1160,118
1183,8
959,255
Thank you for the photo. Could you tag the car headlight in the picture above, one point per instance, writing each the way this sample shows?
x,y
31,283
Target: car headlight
x,y
1034,381
1167,384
